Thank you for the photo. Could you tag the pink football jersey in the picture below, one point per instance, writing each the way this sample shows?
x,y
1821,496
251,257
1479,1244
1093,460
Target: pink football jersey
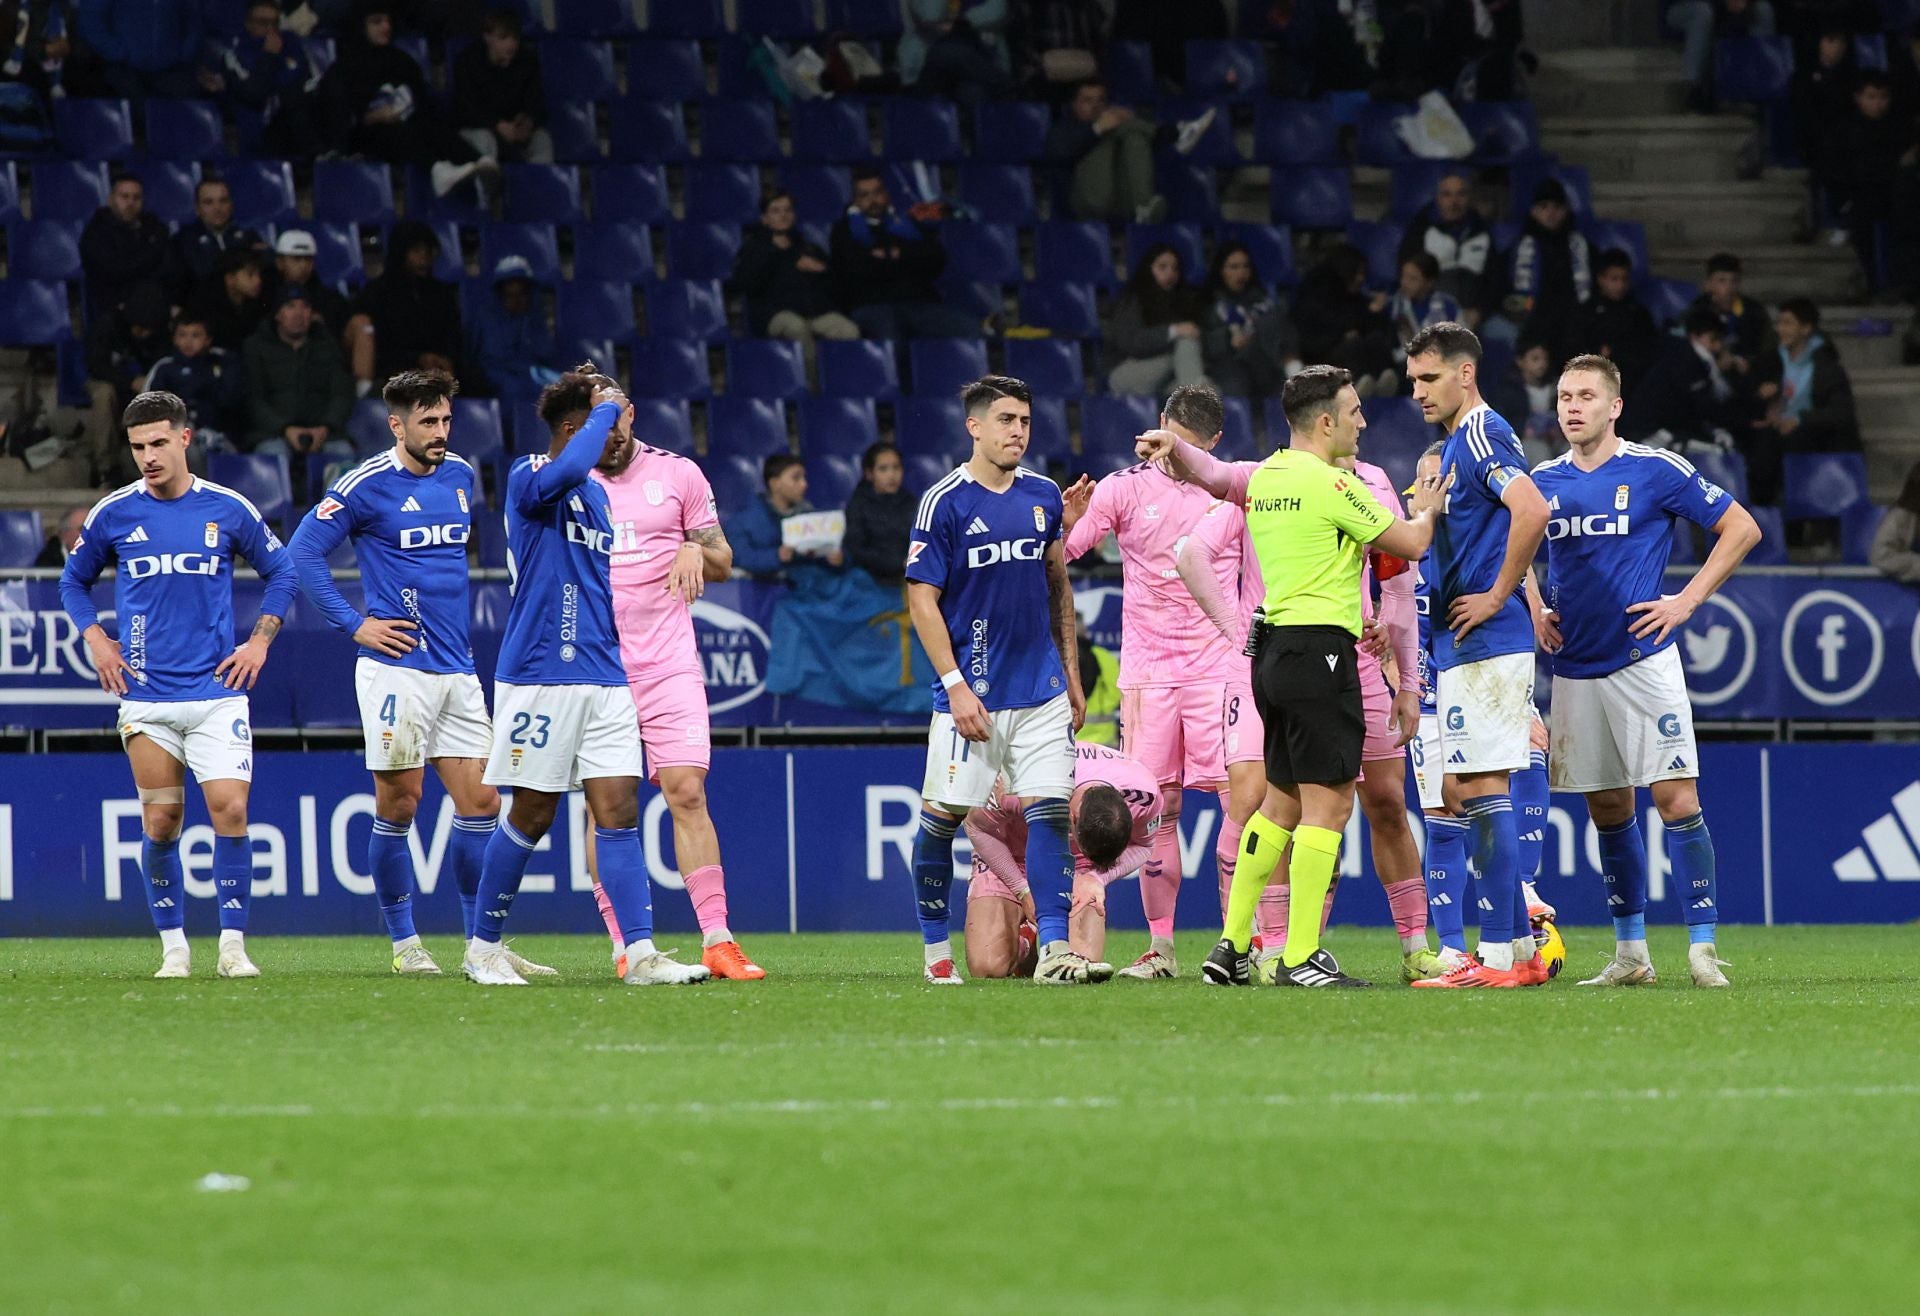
x,y
653,504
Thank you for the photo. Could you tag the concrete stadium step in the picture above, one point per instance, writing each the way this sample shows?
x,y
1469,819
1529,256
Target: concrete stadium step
x,y
51,490
1868,337
1890,455
1774,270
1598,81
1887,398
1708,214
1664,148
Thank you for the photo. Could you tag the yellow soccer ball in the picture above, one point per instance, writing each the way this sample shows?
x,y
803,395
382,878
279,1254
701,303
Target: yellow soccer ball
x,y
1553,949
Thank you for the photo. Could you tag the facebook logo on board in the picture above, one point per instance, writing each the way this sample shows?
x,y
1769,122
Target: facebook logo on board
x,y
1832,647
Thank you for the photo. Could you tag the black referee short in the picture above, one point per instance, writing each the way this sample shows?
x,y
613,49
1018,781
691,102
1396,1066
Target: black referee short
x,y
1306,684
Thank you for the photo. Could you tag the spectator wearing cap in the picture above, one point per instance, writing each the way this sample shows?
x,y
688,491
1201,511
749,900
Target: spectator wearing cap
x,y
499,103
210,234
294,252
1460,240
123,342
509,338
406,319
1614,323
1551,272
232,300
884,264
1807,395
786,282
298,390
205,377
123,246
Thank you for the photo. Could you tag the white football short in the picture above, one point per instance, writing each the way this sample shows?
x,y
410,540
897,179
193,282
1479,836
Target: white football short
x,y
1486,715
409,717
1425,751
553,737
1032,748
213,737
1632,727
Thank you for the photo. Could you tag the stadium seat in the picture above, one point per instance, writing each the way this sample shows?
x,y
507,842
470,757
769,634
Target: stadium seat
x,y
909,182
687,308
1376,137
1192,190
1052,439
1295,133
450,264
367,426
925,469
415,47
185,130
596,18
575,129
1503,131
1667,299
1051,367
864,18
735,479
941,367
831,477
1752,68
9,191
982,253
543,193
1380,244
489,540
779,19
477,435
739,72
831,132
697,250
861,368
630,194
609,249
978,299
44,249
935,426
1771,551
1726,469
68,189
1237,439
537,244
1271,247
738,130
1685,551
33,313
353,191
321,53
262,192
666,70
577,68
1857,530
1628,235
169,185
921,130
591,308
1527,174
751,426
1065,308
93,129
723,193
1183,238
700,19
260,479
1112,423
820,192
829,424
663,423
1227,70
21,537
1010,132
1073,252
671,368
652,132
337,257
1870,51
1317,196
766,368
999,194
1129,71
1823,484
1397,433
1277,427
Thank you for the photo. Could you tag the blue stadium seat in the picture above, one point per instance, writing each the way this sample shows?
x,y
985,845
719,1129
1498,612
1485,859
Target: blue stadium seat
x,y
862,368
321,53
476,434
738,130
450,264
1010,132
596,18
9,191
592,308
934,426
1295,133
1857,530
1376,141
1051,440
663,70
33,313
1192,190
353,191
185,130
1052,367
1111,423
1526,175
543,193
1184,238
1752,68
1277,427
1129,73
671,368
723,193
1228,70
93,129
738,74
611,249
702,19
262,192
1065,308
926,469
697,250
1413,185
1380,244
1823,484
1395,436
687,308
909,182
663,423
630,194
367,426
415,48
982,253
489,540
44,249
21,537
1870,51
820,192
537,244
1237,441
829,424
261,480
831,132
921,130
750,426
981,299
654,132
1667,299
1771,551
1726,469
1073,252
941,367
337,257
1503,131
1270,245
766,368
68,189
735,479
575,130
864,18
1628,235
577,68
779,19
1317,196
169,187
1000,194
831,477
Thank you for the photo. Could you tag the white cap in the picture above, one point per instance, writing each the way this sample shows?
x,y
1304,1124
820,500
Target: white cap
x,y
296,242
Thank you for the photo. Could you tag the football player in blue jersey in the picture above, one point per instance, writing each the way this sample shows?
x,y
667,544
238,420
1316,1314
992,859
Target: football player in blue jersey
x,y
988,592
1482,638
409,512
564,717
1621,718
181,680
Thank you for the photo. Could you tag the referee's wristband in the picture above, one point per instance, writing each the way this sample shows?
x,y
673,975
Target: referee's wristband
x,y
951,679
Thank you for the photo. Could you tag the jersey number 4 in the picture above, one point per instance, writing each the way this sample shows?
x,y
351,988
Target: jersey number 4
x,y
387,713
529,729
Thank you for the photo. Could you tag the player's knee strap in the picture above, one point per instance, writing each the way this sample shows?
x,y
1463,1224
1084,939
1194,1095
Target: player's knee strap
x,y
164,795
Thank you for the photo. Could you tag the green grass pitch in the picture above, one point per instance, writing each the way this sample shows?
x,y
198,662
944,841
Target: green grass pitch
x,y
841,1138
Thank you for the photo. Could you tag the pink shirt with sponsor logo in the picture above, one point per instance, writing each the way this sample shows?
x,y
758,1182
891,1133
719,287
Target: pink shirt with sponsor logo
x,y
653,505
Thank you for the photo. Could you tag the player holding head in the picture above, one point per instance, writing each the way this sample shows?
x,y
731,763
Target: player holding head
x,y
559,696
1621,717
1311,524
1482,637
409,513
988,592
667,543
1174,667
181,680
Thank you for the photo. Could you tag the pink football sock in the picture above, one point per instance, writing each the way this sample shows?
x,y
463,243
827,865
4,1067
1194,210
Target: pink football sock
x,y
708,888
606,912
1408,900
1273,917
1160,878
1227,853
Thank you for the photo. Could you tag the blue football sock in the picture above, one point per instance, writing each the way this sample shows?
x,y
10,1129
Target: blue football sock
x,y
1496,853
1690,849
933,873
166,897
1530,815
508,855
1447,879
1623,867
466,851
623,876
233,880
391,860
1050,867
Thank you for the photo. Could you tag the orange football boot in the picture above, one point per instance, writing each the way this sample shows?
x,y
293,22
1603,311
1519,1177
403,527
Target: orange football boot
x,y
726,960
1472,974
1533,973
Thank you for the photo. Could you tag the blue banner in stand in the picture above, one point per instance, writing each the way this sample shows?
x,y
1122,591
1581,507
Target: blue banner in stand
x,y
821,840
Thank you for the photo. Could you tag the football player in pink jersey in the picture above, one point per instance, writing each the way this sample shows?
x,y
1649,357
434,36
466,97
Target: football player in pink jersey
x,y
1115,813
1174,666
667,543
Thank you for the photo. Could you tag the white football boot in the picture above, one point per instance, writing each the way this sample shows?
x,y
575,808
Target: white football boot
x,y
1153,964
486,963
176,963
1060,965
234,962
1623,972
660,969
1706,964
525,967
414,961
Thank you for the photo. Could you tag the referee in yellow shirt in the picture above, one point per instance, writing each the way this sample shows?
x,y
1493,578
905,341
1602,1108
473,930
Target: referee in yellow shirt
x,y
1311,524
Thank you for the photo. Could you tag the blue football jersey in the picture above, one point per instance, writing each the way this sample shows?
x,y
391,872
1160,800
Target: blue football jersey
x,y
986,552
1470,541
560,628
409,537
1609,533
1423,610
173,591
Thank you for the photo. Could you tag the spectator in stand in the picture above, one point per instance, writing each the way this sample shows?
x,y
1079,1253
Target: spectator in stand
x,y
1419,300
784,278
1552,271
39,49
298,390
1342,324
1745,327
232,300
1156,330
406,319
1687,397
122,344
201,241
1701,23
148,48
758,545
266,71
59,545
880,515
1111,151
123,247
1614,323
884,265
1896,544
204,377
293,256
1808,399
1525,395
1858,161
1250,346
957,50
499,103
1460,239
1822,90
509,338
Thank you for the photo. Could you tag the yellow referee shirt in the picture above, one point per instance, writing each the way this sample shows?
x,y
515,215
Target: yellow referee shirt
x,y
1310,523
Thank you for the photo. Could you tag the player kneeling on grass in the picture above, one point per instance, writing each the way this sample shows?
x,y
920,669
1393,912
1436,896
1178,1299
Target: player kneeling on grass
x,y
564,718
1115,814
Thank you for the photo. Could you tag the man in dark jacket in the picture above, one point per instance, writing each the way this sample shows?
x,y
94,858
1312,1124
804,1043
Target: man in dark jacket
x,y
298,389
784,279
204,377
267,70
1459,237
294,252
498,101
1614,323
885,264
509,338
1687,397
1744,324
1859,158
1552,270
406,319
124,246
122,345
1808,396
1110,149
232,302
210,234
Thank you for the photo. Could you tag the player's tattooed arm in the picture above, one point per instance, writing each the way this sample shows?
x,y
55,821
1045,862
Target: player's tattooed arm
x,y
241,668
715,552
266,628
1065,631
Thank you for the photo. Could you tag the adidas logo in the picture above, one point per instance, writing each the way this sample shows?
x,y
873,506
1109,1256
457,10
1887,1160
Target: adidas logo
x,y
1485,904
1458,756
232,904
1703,903
1679,764
411,505
977,527
1440,898
1893,859
164,902
139,535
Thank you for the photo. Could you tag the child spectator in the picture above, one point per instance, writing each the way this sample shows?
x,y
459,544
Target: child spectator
x,y
880,516
1418,301
204,377
1614,323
